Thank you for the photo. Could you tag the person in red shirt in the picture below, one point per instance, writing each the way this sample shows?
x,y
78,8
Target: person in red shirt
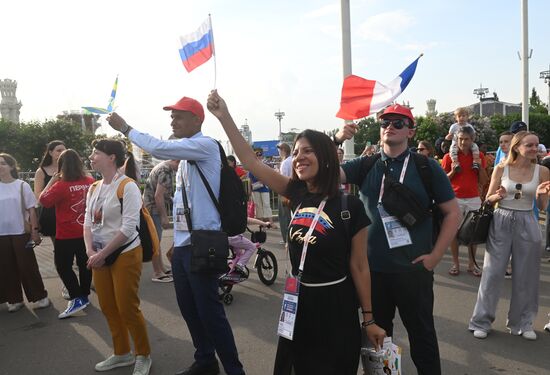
x,y
466,187
233,164
66,191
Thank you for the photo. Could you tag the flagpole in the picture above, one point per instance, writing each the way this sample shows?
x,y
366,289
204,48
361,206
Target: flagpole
x,y
349,152
213,51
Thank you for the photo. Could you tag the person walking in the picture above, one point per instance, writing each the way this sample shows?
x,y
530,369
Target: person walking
x,y
110,228
18,266
66,191
514,231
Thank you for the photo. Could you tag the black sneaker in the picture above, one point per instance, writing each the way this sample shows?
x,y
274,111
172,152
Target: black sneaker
x,y
196,369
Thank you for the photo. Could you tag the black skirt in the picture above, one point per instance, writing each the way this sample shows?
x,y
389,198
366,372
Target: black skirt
x,y
327,333
47,221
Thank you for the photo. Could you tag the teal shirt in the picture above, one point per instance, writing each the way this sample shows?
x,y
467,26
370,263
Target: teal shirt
x,y
381,257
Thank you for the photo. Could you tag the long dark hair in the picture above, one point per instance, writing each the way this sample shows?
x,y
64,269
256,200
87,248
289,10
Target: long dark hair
x,y
112,146
47,158
327,179
70,165
10,160
130,168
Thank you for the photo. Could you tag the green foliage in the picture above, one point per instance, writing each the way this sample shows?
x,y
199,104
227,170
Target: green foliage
x,y
535,104
369,131
27,141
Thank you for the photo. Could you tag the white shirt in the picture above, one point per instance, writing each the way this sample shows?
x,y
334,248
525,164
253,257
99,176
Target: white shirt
x,y
286,167
112,221
11,217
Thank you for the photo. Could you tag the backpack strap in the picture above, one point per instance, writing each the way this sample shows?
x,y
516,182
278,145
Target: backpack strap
x,y
205,181
366,165
423,167
120,191
345,215
93,186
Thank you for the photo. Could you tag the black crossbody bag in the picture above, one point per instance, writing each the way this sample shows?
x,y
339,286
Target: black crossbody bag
x,y
210,248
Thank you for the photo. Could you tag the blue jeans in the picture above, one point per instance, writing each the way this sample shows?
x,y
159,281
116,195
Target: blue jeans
x,y
199,304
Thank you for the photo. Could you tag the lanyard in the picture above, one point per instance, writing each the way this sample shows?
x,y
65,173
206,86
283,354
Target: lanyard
x,y
107,193
308,234
401,178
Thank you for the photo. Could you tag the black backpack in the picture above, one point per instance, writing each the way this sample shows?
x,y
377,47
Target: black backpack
x,y
423,167
233,199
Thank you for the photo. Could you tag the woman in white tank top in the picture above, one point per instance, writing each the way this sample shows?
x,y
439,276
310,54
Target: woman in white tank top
x,y
515,183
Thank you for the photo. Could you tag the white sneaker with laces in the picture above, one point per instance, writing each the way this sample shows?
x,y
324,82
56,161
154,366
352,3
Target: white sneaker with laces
x,y
143,365
43,303
529,335
115,361
479,334
13,307
65,293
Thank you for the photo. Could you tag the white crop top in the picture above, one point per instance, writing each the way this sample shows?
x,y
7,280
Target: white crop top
x,y
527,190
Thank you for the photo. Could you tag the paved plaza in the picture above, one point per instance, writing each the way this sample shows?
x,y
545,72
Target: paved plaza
x,y
36,342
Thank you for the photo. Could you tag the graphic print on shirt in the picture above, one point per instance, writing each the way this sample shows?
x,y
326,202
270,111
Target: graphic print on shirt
x,y
304,217
80,206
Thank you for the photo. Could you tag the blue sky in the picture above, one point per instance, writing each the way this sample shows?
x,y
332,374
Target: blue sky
x,y
271,55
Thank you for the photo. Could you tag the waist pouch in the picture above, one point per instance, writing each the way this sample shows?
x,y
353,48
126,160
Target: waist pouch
x,y
209,252
399,201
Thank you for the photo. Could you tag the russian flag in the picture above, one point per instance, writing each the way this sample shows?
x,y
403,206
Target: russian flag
x,y
363,97
197,47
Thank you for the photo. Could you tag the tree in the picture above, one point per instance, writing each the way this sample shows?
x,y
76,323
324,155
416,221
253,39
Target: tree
x,y
27,141
535,104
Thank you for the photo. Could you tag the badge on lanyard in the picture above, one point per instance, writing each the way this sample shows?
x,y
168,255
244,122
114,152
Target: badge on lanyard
x,y
396,233
289,309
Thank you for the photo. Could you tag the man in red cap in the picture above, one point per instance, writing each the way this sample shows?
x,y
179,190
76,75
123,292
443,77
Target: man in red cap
x,y
402,259
197,294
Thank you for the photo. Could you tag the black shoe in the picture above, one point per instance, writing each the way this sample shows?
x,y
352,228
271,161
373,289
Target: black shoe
x,y
196,369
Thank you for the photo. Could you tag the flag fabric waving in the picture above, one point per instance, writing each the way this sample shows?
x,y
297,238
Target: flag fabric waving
x,y
109,109
363,97
197,47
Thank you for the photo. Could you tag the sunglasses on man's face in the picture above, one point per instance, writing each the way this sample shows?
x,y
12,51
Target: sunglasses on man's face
x,y
420,149
396,123
518,194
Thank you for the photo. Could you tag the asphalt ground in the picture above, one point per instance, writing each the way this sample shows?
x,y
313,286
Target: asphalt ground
x,y
37,342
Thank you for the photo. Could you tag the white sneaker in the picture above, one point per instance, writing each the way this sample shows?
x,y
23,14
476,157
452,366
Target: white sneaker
x,y
65,293
13,307
529,335
479,334
143,365
547,327
115,361
43,303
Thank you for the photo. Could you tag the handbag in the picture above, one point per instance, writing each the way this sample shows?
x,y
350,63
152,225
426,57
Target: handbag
x,y
209,248
26,223
474,228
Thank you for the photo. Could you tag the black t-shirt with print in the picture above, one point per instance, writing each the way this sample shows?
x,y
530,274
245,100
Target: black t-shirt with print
x,y
329,249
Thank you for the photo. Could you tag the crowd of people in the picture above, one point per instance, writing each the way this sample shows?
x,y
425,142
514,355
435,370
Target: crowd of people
x,y
354,259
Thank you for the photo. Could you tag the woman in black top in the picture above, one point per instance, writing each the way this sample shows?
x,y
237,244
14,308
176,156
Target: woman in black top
x,y
43,175
336,276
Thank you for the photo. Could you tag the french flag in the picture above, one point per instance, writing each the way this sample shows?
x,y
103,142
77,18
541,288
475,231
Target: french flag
x,y
363,97
197,47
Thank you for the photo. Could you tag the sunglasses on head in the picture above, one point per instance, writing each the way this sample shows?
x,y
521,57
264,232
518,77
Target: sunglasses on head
x,y
518,194
397,123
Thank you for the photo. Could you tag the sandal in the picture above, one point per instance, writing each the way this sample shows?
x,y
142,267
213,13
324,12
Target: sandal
x,y
475,272
163,279
454,271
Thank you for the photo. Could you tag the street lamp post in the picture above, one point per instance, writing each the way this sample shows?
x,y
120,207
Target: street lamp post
x,y
480,93
279,115
546,76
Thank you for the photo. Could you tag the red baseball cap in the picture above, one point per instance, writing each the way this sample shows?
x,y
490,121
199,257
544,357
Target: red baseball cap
x,y
189,105
399,110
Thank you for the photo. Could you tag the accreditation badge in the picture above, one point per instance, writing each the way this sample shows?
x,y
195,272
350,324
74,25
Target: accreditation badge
x,y
396,233
289,309
180,221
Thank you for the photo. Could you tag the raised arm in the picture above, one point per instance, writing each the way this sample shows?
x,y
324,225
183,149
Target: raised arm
x,y
276,181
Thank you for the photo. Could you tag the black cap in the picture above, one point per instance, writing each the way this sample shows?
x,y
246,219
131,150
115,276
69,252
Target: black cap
x,y
518,126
